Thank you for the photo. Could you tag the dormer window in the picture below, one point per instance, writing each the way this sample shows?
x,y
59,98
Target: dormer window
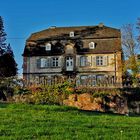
x,y
71,34
48,47
91,45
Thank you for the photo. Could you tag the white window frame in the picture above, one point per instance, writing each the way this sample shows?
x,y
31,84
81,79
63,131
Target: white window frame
x,y
99,60
71,34
47,46
55,62
91,45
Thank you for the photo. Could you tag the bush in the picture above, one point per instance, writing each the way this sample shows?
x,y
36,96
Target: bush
x,y
98,92
51,94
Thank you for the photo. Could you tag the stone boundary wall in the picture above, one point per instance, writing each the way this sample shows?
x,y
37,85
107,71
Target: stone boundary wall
x,y
86,101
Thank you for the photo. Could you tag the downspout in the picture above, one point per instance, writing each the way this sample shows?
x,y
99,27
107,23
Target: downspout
x,y
28,70
115,67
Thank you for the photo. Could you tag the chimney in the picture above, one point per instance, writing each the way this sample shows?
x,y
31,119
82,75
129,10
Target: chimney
x,y
101,25
52,27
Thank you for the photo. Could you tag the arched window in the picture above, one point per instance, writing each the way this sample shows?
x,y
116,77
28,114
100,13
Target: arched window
x,y
91,45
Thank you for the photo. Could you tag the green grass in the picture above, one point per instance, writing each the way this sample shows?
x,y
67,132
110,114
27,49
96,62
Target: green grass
x,y
43,122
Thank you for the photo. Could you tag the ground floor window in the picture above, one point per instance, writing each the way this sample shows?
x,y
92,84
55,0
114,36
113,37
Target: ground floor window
x,y
84,80
96,80
88,80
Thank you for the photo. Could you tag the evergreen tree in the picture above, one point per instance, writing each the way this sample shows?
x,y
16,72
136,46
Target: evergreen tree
x,y
3,45
8,66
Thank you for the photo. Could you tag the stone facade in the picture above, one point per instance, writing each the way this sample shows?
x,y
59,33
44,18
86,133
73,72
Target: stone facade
x,y
89,54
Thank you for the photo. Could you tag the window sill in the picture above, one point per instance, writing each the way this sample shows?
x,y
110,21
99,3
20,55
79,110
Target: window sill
x,y
48,67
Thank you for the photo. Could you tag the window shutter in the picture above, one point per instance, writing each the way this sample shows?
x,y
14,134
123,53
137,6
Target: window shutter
x,y
105,60
50,60
59,60
78,61
43,61
38,63
94,61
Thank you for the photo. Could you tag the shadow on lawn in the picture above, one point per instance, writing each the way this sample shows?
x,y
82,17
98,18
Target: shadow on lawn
x,y
98,113
3,105
90,113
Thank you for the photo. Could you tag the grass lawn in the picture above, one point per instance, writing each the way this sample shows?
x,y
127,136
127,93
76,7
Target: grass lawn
x,y
43,122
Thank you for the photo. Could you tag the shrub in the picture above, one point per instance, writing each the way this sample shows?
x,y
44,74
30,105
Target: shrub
x,y
51,94
98,92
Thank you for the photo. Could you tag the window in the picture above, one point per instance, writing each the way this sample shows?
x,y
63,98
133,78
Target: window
x,y
48,47
55,62
71,34
93,80
48,62
99,60
100,79
83,80
43,63
92,45
84,61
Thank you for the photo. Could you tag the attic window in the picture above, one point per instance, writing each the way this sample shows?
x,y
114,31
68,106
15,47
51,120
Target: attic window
x,y
91,45
48,47
71,34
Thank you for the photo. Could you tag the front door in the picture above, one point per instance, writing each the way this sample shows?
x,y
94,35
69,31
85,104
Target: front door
x,y
69,63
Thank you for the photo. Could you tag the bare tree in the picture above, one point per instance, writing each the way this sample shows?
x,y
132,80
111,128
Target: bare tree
x,y
130,45
130,49
138,29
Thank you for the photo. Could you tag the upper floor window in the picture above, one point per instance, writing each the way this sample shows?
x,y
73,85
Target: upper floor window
x,y
102,60
55,62
42,62
71,34
99,60
45,62
48,47
84,61
48,62
91,45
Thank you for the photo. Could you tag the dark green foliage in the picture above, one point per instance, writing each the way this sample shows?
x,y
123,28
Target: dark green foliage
x,y
8,66
51,94
2,37
9,86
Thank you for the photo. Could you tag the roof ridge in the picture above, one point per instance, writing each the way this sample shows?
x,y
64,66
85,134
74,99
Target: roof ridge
x,y
61,27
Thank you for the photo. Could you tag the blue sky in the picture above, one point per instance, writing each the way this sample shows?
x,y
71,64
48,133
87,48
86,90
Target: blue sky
x,y
23,17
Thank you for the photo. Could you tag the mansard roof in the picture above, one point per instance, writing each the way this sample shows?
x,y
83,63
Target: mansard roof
x,y
79,31
106,39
